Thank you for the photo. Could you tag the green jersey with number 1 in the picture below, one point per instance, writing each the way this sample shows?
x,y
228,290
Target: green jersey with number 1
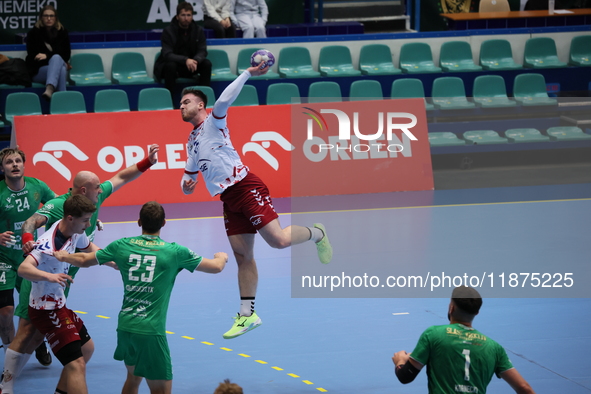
x,y
148,267
459,359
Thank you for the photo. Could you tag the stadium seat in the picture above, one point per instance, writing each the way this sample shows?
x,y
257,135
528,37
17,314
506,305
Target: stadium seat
x,y
445,138
21,103
87,70
324,92
335,61
295,62
244,62
111,100
526,135
494,6
449,93
154,99
567,133
410,88
67,102
540,52
416,57
376,59
129,68
365,90
220,65
497,55
209,93
490,92
580,51
530,90
283,93
484,137
181,80
247,96
457,56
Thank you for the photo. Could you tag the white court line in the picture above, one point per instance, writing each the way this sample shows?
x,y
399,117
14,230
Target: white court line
x,y
401,313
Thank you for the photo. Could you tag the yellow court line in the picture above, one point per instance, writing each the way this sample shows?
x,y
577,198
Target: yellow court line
x,y
207,343
261,362
186,337
321,390
277,368
293,375
82,313
169,332
307,382
103,317
243,355
226,349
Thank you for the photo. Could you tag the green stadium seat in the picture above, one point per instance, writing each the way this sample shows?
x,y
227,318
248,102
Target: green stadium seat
x,y
295,62
540,52
324,92
111,100
21,103
457,56
580,51
366,90
526,135
87,70
67,102
283,93
530,90
129,68
220,65
449,93
209,93
409,88
154,99
484,137
248,96
416,57
244,62
565,133
376,59
445,138
490,92
335,61
497,55
6,86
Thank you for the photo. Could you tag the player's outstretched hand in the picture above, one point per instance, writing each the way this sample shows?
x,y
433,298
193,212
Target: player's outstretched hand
x,y
189,186
62,279
153,154
256,71
61,255
7,239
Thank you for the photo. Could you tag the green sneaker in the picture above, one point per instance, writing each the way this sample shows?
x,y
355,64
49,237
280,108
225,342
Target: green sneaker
x,y
242,325
323,246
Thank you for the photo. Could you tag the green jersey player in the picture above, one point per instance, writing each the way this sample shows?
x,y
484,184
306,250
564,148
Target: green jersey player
x,y
148,267
459,358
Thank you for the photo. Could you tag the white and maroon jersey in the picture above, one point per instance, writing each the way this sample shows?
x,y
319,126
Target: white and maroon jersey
x,y
47,295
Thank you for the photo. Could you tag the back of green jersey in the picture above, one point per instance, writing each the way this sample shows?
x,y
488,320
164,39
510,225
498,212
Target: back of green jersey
x,y
148,267
459,359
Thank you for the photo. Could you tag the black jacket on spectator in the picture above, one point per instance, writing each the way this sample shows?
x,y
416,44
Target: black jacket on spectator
x,y
40,40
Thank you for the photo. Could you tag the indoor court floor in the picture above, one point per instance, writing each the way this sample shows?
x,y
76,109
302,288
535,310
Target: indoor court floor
x,y
343,342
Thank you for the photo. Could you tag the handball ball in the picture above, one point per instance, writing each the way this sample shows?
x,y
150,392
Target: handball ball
x,y
262,55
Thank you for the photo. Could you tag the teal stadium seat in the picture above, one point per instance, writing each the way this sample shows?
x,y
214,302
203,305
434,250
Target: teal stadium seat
x,y
129,68
410,88
209,93
457,56
295,62
540,52
580,51
335,61
366,90
416,57
87,70
67,102
324,92
497,55
283,93
247,97
445,138
567,133
111,100
244,62
484,137
526,135
376,59
154,99
21,103
530,90
449,93
220,65
490,92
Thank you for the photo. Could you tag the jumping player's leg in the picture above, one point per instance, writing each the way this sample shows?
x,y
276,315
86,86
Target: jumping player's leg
x,y
281,238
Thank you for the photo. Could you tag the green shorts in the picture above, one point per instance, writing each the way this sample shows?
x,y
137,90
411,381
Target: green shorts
x,y
149,354
22,309
8,276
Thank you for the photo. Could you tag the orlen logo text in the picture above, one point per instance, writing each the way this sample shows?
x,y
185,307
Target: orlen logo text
x,y
347,146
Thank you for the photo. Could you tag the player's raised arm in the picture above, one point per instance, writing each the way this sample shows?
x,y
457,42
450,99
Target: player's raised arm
x,y
134,171
220,108
215,265
28,270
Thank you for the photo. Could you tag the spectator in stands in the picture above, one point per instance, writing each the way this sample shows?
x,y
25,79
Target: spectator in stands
x,y
251,17
48,52
184,50
227,387
217,15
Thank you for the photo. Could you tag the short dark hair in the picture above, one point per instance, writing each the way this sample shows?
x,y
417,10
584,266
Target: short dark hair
x,y
467,299
195,92
11,151
227,387
184,6
77,205
152,217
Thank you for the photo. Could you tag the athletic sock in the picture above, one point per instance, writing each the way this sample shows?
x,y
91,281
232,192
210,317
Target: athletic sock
x,y
13,365
246,306
316,234
58,391
5,347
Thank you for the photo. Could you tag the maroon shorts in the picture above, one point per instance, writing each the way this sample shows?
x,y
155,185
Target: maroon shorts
x,y
247,206
60,326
